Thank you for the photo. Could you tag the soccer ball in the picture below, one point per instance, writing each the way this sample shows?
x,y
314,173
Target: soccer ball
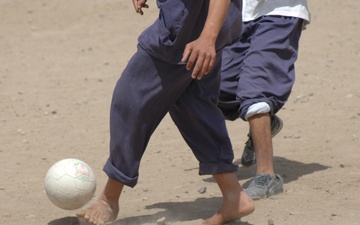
x,y
70,184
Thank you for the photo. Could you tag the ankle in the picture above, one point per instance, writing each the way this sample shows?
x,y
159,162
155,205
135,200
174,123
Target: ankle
x,y
113,203
272,174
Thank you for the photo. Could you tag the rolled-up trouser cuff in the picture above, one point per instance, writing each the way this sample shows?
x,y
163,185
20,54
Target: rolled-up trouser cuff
x,y
257,108
248,103
212,168
117,175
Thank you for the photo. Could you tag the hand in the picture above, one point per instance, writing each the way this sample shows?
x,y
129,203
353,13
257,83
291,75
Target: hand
x,y
139,4
200,52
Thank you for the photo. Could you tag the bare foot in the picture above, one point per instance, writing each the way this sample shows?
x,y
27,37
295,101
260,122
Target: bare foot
x,y
232,210
99,213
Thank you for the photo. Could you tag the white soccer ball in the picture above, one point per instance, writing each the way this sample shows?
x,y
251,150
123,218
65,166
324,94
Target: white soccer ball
x,y
70,184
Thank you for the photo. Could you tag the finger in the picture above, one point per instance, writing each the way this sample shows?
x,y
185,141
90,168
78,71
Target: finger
x,y
192,59
206,65
138,5
186,53
208,62
211,65
145,6
190,62
141,6
138,8
197,72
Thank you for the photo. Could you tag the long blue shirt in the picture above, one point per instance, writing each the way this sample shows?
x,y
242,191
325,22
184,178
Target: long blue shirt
x,y
180,22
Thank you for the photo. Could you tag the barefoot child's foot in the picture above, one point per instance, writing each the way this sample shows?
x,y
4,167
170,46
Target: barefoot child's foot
x,y
99,213
236,203
106,208
232,211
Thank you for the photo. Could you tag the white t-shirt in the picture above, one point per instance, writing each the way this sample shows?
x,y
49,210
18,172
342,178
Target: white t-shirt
x,y
253,9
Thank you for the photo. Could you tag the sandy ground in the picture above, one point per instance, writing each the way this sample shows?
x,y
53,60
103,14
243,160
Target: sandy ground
x,y
59,63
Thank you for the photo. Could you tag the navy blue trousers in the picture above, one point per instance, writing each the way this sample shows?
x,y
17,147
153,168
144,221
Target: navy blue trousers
x,y
260,67
147,90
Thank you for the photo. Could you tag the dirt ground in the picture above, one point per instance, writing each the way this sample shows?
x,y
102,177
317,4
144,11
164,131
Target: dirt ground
x,y
59,63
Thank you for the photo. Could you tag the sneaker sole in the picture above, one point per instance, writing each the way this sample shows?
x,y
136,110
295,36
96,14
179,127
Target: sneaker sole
x,y
276,131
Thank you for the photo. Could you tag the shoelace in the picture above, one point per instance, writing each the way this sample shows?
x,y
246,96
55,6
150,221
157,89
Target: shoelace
x,y
261,180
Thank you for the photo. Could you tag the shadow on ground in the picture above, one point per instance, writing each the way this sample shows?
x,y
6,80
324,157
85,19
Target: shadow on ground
x,y
65,221
204,207
290,170
185,212
192,211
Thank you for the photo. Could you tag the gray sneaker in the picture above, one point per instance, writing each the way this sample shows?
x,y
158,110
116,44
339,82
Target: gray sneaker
x,y
263,185
248,157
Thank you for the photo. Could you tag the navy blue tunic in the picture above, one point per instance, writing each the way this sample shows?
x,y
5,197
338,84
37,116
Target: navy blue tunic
x,y
180,22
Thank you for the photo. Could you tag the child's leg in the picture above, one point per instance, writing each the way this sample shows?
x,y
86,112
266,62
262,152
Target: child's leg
x,y
236,203
146,90
106,208
203,128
